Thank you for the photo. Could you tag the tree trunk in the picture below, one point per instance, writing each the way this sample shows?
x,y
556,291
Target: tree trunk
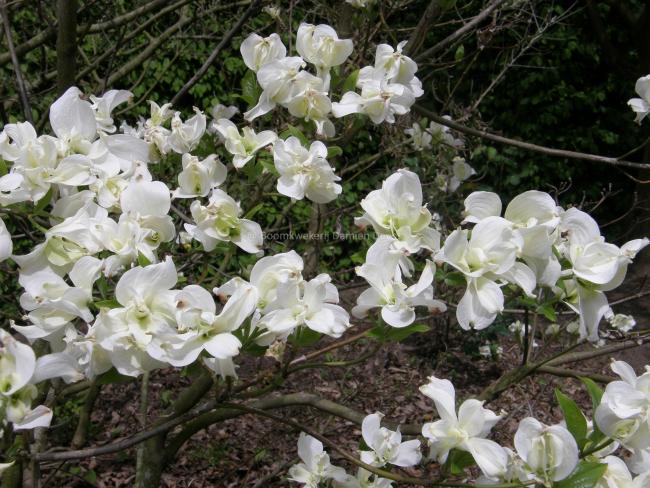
x,y
66,44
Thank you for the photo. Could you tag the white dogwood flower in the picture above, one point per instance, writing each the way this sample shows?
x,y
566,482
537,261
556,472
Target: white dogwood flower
x,y
245,145
387,446
624,410
550,452
315,466
488,255
17,364
199,176
307,303
104,105
220,221
258,51
305,172
465,431
6,245
397,300
380,100
396,210
185,136
146,311
641,106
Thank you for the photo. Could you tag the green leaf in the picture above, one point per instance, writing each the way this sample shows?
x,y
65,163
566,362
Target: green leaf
x,y
42,203
455,279
111,303
460,53
112,377
457,462
595,391
334,151
548,311
350,82
3,167
295,132
396,334
304,337
249,88
575,419
143,260
586,475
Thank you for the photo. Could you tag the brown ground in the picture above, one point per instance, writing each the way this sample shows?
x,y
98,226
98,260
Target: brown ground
x,y
251,451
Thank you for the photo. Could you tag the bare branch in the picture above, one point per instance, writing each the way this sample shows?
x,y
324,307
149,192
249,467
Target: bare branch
x,y
549,151
66,44
469,26
224,41
14,60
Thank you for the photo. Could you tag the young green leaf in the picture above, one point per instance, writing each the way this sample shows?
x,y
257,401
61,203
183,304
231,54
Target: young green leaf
x,y
586,475
575,419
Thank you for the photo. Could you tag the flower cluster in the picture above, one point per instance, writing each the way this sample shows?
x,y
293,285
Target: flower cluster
x,y
543,454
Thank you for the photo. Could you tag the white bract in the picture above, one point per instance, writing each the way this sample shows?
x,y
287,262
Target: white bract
x,y
258,51
487,256
550,452
397,300
641,106
387,446
146,311
306,303
465,431
315,466
396,210
305,172
199,176
243,146
624,410
220,221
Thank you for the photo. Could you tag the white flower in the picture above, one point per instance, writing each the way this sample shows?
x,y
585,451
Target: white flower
x,y
641,106
321,46
379,99
488,255
146,311
220,111
280,81
622,322
305,172
220,221
6,245
315,466
199,176
185,136
17,364
397,210
311,102
421,139
397,301
461,172
268,275
363,480
309,303
624,410
34,161
104,106
258,51
394,65
201,328
465,431
387,446
73,121
441,134
550,452
52,303
243,146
